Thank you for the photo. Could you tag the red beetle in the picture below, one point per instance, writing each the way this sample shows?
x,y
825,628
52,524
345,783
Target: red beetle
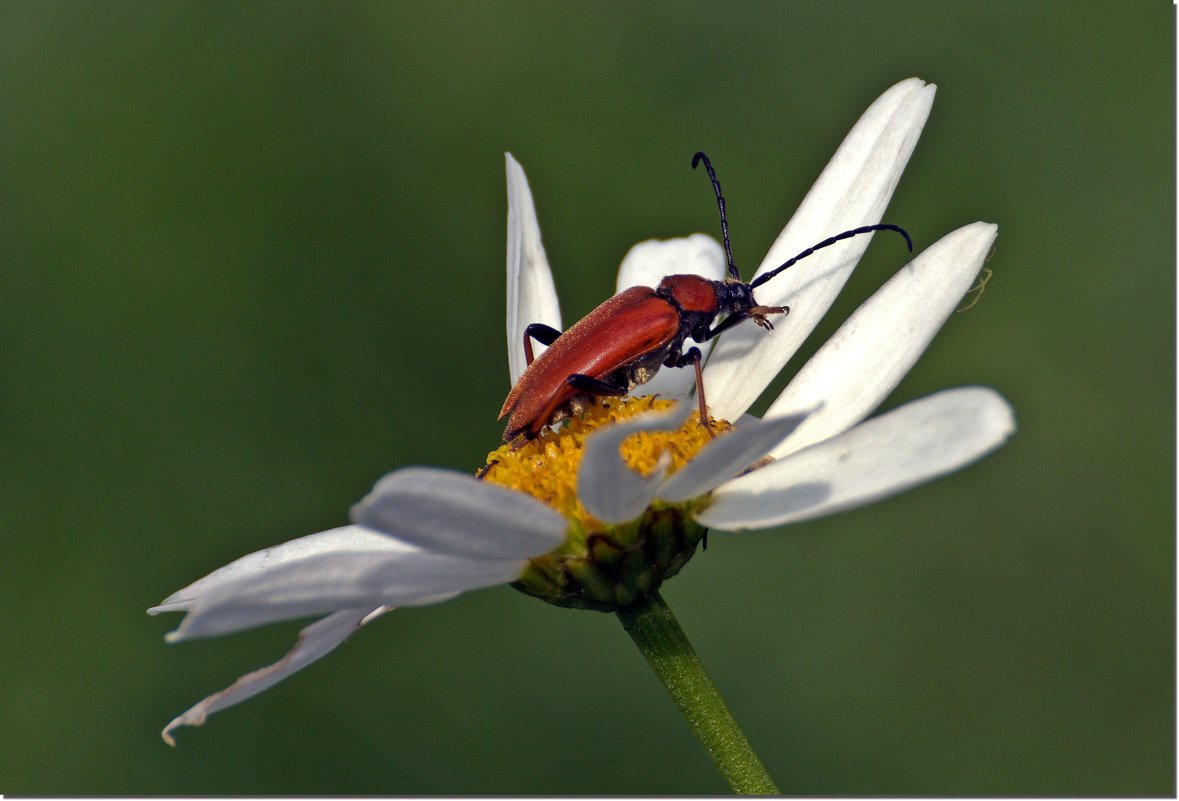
x,y
628,338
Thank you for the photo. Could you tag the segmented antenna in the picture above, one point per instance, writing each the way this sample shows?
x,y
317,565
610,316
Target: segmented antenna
x,y
720,204
866,229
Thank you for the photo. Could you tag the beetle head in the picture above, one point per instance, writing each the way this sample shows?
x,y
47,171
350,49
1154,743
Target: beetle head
x,y
736,297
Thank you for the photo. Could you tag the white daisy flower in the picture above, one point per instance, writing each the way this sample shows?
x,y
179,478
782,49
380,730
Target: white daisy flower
x,y
601,510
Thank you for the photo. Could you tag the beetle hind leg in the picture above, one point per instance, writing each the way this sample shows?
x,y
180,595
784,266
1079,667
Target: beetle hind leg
x,y
588,385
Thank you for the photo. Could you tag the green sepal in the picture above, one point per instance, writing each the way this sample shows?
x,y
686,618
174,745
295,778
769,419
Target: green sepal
x,y
614,566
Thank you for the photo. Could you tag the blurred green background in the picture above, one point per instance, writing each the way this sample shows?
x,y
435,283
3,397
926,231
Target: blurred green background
x,y
252,259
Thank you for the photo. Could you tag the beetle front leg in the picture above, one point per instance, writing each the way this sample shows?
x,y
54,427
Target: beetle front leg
x,y
721,327
756,313
544,334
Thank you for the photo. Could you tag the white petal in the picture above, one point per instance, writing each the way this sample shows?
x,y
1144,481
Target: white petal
x,y
314,641
868,356
346,539
726,457
880,457
334,581
532,298
646,264
853,190
610,490
452,513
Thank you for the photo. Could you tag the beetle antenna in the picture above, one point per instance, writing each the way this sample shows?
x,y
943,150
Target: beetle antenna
x,y
866,229
720,204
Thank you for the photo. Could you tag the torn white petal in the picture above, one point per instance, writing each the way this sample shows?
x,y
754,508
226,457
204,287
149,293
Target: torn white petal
x,y
726,457
852,191
330,582
609,490
315,641
346,539
532,298
432,599
867,357
880,457
453,513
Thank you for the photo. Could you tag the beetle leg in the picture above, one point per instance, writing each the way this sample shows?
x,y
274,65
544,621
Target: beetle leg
x,y
758,315
544,334
588,385
721,327
692,357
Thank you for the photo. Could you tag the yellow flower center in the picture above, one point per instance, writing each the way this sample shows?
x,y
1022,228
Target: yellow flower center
x,y
602,566
546,468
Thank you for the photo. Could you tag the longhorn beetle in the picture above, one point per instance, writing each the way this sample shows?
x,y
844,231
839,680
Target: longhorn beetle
x,y
628,338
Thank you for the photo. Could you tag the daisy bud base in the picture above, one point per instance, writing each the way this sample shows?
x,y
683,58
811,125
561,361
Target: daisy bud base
x,y
620,564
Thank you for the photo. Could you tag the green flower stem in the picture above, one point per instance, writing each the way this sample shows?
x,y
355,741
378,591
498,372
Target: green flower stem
x,y
650,623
